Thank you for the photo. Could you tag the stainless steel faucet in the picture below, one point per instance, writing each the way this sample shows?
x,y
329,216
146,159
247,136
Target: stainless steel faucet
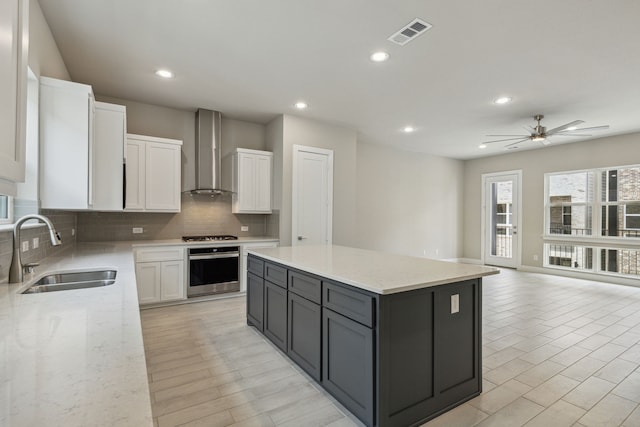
x,y
16,272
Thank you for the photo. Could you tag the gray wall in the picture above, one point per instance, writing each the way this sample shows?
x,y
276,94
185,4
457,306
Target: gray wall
x,y
409,203
282,134
604,152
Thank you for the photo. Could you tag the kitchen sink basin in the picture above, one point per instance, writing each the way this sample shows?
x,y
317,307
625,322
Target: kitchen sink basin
x,y
72,280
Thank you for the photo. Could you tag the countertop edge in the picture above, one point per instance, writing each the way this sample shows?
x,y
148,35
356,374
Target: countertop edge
x,y
363,286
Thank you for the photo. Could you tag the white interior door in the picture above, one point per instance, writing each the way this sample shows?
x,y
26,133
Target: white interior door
x,y
312,198
501,212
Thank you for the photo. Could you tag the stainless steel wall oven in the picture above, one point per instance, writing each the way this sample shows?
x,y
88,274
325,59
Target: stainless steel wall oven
x,y
213,270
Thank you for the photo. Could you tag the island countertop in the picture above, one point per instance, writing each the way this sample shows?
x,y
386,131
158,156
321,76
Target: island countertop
x,y
378,272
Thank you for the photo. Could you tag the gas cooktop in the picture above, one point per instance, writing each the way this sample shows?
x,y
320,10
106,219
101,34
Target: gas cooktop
x,y
208,238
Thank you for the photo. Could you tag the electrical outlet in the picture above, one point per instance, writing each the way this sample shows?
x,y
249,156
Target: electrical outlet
x,y
244,228
455,303
535,257
437,252
36,242
73,231
25,246
137,230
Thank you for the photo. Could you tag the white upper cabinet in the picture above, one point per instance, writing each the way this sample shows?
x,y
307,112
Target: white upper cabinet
x,y
154,173
251,181
110,129
82,148
13,87
66,140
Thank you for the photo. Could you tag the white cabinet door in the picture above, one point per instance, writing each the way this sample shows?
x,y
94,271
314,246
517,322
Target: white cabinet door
x,y
263,184
66,139
108,155
148,281
13,87
135,173
246,182
162,176
153,174
251,181
172,280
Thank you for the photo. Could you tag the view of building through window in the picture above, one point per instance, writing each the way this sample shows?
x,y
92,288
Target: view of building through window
x,y
5,210
574,199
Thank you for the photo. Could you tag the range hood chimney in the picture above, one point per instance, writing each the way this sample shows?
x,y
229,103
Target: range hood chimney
x,y
208,152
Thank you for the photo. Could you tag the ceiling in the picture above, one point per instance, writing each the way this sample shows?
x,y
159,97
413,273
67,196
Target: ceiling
x,y
253,59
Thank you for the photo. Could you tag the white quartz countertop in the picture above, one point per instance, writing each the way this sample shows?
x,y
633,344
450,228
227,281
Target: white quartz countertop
x,y
377,272
74,357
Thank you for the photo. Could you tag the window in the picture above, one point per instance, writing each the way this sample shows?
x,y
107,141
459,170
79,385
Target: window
x,y
570,203
589,213
6,210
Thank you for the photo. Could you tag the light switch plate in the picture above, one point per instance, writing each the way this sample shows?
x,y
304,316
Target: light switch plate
x,y
137,230
455,303
25,246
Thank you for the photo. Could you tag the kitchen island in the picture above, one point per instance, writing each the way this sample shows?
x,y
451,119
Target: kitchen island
x,y
395,339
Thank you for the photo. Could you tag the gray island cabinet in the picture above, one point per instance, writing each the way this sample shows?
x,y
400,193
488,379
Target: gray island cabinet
x,y
395,339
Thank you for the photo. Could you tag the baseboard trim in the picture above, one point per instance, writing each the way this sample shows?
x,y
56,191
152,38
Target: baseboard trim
x,y
580,275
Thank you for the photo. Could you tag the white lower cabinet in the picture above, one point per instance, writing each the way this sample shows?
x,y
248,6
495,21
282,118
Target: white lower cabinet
x,y
160,275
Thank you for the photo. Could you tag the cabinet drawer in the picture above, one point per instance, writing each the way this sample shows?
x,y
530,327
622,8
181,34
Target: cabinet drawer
x,y
276,274
350,303
159,254
255,266
306,286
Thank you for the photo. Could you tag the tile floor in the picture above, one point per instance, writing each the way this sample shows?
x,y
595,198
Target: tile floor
x,y
556,352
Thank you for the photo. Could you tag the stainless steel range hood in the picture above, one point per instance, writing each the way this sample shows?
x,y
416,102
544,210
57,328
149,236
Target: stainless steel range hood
x,y
208,153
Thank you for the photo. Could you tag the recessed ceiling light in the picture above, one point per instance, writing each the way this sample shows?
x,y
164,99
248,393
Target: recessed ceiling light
x,y
165,74
482,146
408,129
502,100
300,105
379,56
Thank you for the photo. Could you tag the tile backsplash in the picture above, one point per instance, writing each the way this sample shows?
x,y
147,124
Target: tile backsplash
x,y
64,222
200,215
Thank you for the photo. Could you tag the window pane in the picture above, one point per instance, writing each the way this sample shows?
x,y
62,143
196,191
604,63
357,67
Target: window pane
x,y
621,261
622,184
633,209
571,188
615,223
575,221
569,256
4,207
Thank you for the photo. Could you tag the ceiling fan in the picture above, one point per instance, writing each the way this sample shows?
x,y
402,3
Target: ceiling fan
x,y
540,133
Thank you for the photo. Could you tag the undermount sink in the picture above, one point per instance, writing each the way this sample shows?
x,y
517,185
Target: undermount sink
x,y
72,280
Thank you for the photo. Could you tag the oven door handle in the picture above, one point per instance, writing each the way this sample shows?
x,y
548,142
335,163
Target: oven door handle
x,y
214,256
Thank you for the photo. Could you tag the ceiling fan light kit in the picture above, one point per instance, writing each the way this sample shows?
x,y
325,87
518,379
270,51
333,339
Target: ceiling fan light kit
x,y
540,133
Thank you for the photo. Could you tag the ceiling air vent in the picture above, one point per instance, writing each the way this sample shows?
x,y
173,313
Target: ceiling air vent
x,y
410,32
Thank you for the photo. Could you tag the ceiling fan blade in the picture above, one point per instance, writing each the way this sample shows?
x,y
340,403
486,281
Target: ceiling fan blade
x,y
520,135
564,127
517,142
587,129
508,139
571,134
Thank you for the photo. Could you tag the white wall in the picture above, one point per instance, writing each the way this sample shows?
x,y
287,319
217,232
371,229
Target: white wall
x,y
409,203
44,56
612,151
